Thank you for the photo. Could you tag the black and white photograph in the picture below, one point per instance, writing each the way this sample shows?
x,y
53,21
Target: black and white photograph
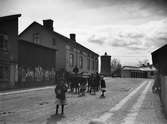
x,y
83,62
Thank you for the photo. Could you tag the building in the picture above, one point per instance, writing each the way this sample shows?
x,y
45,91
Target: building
x,y
69,54
36,64
159,59
138,72
106,65
8,50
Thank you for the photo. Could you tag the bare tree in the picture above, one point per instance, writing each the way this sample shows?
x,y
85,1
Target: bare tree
x,y
115,67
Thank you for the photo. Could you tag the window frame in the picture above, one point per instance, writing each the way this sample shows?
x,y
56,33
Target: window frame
x,y
54,42
80,61
36,38
4,42
71,59
88,63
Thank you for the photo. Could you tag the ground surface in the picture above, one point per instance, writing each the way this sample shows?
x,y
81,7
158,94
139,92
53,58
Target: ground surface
x,y
38,107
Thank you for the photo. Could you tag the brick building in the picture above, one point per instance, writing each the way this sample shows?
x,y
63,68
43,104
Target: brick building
x,y
69,54
106,65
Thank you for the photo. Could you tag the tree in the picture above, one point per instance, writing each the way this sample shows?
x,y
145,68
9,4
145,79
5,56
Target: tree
x,y
144,62
115,67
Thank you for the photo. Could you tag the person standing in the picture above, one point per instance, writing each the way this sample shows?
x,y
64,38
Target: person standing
x,y
60,91
103,87
97,81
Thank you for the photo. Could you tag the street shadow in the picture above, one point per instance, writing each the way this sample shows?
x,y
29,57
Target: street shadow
x,y
53,119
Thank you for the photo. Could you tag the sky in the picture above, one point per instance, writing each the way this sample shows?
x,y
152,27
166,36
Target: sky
x,y
128,30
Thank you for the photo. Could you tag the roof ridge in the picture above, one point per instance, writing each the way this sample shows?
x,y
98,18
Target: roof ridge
x,y
58,34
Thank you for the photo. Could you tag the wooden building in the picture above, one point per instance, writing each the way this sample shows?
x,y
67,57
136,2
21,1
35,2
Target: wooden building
x,y
159,58
36,64
8,50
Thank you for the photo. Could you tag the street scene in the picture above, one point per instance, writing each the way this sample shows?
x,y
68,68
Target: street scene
x,y
83,62
38,106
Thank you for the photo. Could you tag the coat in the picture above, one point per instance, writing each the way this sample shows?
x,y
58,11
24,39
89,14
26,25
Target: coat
x,y
60,92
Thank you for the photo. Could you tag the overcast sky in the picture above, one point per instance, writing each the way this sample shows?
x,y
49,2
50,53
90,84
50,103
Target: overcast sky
x,y
128,30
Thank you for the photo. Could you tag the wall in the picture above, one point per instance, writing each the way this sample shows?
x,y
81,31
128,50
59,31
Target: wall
x,y
64,48
125,74
46,39
36,64
159,60
163,82
10,27
106,65
70,49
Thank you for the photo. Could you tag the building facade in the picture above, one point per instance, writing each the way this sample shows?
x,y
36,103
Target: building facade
x,y
69,52
159,59
106,65
8,50
36,64
138,72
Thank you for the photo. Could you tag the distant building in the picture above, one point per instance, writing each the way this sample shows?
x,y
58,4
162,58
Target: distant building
x,y
69,54
106,65
138,72
8,50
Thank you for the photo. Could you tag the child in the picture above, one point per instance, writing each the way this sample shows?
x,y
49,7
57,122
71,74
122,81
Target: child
x,y
103,87
60,95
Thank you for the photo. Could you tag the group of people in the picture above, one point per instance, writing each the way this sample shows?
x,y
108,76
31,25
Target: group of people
x,y
91,84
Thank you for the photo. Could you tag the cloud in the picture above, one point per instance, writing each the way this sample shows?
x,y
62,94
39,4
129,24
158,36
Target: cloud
x,y
96,40
133,44
145,37
144,4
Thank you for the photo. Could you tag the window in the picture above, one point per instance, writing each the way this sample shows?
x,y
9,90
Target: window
x,y
54,42
152,73
88,64
81,62
92,64
71,60
96,64
3,42
4,72
36,38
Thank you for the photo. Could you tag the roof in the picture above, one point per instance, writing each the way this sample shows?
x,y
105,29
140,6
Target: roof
x,y
130,68
58,35
160,49
37,45
9,17
134,68
157,53
148,68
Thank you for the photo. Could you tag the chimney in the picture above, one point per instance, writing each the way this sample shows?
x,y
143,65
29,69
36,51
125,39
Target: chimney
x,y
72,37
48,24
